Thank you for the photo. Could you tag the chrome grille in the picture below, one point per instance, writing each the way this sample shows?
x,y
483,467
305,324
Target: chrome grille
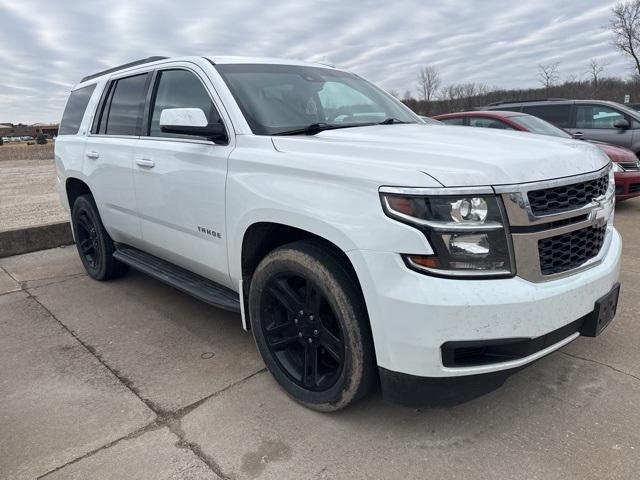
x,y
566,197
570,250
566,235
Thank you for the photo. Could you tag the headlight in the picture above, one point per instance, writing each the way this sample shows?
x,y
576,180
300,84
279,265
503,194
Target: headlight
x,y
616,168
468,233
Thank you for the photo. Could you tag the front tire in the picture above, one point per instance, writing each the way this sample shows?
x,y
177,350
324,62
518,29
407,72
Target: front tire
x,y
94,244
311,327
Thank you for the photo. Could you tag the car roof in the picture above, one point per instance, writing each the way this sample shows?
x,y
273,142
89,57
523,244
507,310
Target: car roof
x,y
221,60
482,113
157,60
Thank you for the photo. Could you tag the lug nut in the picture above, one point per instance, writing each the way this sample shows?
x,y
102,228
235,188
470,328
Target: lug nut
x,y
310,340
300,312
311,317
295,321
316,332
299,334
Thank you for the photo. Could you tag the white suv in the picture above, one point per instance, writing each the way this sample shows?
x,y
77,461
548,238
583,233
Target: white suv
x,y
359,244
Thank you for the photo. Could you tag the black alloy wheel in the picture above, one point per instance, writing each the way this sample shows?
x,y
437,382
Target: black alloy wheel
x,y
302,332
94,244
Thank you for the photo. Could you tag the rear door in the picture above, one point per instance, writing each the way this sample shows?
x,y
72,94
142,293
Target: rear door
x,y
180,180
109,155
596,122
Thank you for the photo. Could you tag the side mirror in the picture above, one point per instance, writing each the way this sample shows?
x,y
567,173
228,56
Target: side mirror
x,y
578,136
191,121
622,124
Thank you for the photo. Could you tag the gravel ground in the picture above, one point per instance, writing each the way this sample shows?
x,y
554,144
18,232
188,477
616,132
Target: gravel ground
x,y
27,187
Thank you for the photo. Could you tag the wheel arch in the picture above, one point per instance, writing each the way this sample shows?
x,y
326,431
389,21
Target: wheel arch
x,y
261,238
74,187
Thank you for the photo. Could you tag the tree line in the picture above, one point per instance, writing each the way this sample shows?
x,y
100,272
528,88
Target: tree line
x,y
433,98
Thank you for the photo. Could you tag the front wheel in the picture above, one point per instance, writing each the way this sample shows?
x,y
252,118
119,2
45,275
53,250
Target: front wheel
x,y
310,324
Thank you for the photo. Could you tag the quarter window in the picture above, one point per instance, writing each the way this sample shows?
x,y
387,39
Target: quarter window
x,y
125,111
556,114
74,111
596,116
180,89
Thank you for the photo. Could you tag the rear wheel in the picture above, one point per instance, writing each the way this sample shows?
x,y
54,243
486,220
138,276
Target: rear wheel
x,y
94,244
311,326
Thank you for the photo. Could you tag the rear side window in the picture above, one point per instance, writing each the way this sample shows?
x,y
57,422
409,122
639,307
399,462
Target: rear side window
x,y
126,106
180,89
556,114
74,111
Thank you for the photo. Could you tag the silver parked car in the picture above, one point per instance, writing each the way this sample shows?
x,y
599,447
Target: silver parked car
x,y
600,120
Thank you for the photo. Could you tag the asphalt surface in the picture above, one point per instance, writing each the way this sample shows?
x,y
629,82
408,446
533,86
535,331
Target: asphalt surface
x,y
133,379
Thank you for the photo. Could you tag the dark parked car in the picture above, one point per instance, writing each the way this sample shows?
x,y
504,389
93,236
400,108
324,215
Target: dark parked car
x,y
600,120
627,165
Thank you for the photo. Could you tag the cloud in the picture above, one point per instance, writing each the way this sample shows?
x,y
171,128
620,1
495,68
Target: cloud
x,y
47,47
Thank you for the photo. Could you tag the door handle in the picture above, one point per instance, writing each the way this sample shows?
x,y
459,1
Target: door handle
x,y
93,155
145,162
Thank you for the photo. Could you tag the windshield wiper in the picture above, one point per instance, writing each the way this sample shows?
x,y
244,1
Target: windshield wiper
x,y
314,128
390,121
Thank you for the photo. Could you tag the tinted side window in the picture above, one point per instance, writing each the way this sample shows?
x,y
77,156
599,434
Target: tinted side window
x,y
127,106
488,123
180,89
596,116
556,114
453,121
74,111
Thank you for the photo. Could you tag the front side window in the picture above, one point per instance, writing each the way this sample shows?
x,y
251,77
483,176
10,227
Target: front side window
x,y
125,111
74,111
558,115
453,121
484,122
539,126
180,89
279,98
596,116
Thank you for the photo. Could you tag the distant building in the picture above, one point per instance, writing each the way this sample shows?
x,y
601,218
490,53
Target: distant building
x,y
21,130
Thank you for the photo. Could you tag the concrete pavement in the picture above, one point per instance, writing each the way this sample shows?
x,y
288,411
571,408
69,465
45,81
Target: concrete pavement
x,y
133,379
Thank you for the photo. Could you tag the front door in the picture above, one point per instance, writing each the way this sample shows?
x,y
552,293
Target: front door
x,y
596,122
180,181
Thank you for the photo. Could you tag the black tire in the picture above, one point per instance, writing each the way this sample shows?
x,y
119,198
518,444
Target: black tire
x,y
323,358
94,244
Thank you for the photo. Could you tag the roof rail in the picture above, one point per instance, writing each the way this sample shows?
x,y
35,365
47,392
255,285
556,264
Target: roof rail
x,y
122,67
526,101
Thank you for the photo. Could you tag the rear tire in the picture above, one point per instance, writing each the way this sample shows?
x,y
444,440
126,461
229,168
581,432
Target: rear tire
x,y
311,327
94,244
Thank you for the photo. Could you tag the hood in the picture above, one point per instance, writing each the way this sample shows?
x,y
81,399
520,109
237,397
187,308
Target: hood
x,y
616,153
454,156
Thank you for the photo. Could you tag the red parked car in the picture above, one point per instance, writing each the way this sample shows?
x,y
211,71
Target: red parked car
x,y
626,164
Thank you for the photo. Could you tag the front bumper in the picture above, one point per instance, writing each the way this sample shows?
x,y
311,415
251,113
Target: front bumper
x,y
412,315
627,185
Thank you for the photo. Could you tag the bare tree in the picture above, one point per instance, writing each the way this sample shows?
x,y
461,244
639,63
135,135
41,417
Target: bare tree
x,y
625,26
548,74
407,95
428,82
594,73
394,93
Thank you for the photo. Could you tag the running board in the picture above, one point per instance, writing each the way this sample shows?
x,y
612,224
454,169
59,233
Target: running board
x,y
184,280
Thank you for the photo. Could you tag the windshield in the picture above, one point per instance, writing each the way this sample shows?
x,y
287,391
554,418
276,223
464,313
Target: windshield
x,y
280,98
539,126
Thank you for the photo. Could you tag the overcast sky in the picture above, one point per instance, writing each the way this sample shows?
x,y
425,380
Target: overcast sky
x,y
47,46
